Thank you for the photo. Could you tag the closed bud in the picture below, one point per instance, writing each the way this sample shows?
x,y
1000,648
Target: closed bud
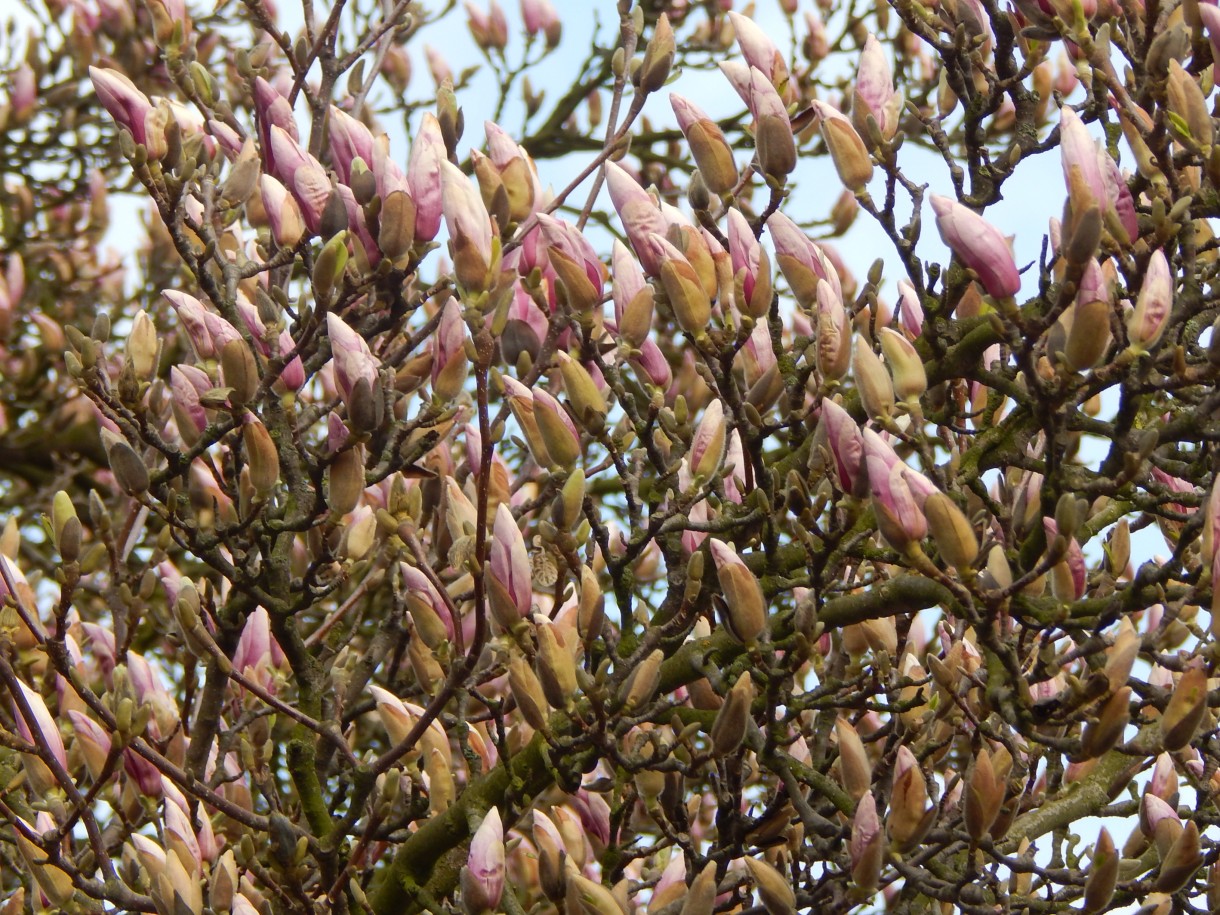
x,y
658,57
743,596
1103,734
128,468
396,234
701,896
872,380
1103,875
641,684
527,690
329,266
142,346
1184,712
240,371
983,797
1088,337
855,771
591,612
1118,548
1147,322
687,297
952,531
556,668
866,847
847,151
586,399
1188,103
345,480
262,457
584,895
906,367
1180,862
908,820
1121,657
729,727
555,428
774,889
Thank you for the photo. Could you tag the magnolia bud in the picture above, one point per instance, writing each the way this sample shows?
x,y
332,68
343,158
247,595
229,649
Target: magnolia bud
x,y
345,480
262,457
952,531
658,58
128,468
701,897
743,596
556,668
729,728
855,771
1102,735
527,690
1179,863
586,399
1103,875
1184,712
641,684
984,796
872,380
774,889
142,345
240,372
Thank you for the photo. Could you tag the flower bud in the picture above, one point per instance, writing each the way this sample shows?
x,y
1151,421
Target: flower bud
x,y
1184,712
872,381
587,401
774,889
867,846
53,881
1147,322
743,596
1102,735
1103,875
701,896
980,246
482,878
527,690
556,430
952,531
733,717
847,150
556,668
983,797
711,150
262,456
906,366
1187,102
908,821
658,57
687,297
128,468
641,684
1180,862
855,771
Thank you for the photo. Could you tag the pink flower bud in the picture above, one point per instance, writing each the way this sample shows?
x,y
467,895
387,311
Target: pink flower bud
x,y
751,267
302,174
489,29
483,875
846,444
760,51
1152,307
189,414
424,177
979,244
874,93
131,109
1079,151
272,109
653,364
708,145
801,261
640,217
910,309
540,16
253,656
449,356
353,360
36,725
469,227
92,740
283,213
350,139
510,564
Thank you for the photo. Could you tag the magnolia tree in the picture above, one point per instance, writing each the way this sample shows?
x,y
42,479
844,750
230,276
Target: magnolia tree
x,y
542,518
